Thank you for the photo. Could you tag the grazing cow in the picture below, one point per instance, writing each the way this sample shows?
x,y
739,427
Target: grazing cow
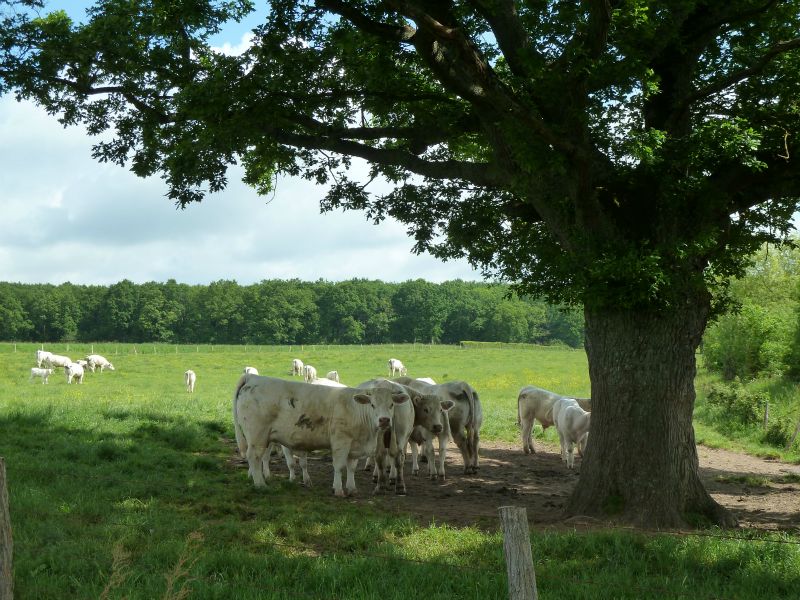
x,y
297,366
43,373
251,370
95,360
189,379
537,403
41,355
57,360
326,381
74,371
309,373
333,376
572,424
396,367
83,363
425,411
306,417
463,422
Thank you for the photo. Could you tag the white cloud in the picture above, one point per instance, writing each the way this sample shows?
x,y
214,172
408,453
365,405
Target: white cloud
x,y
67,217
235,50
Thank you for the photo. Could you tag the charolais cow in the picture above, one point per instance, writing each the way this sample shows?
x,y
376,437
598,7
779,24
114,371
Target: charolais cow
x,y
306,417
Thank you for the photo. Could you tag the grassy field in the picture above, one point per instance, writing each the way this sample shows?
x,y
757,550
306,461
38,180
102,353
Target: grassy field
x,y
121,488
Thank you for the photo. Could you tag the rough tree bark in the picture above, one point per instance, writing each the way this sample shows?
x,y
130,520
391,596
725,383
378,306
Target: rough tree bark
x,y
641,462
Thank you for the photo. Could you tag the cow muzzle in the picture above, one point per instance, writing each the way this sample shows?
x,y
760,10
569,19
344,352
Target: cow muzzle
x,y
384,422
436,429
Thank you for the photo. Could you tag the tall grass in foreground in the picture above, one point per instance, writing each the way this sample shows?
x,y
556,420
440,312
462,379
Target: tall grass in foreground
x,y
122,488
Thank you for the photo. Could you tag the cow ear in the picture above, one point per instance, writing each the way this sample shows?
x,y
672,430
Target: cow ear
x,y
363,398
447,404
399,398
416,398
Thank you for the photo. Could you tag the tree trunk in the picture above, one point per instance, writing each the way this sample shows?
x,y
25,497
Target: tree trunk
x,y
641,463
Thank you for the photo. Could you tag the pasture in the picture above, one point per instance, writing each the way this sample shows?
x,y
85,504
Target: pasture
x,y
129,487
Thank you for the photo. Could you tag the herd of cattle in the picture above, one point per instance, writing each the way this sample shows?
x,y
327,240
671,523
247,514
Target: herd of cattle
x,y
46,363
378,419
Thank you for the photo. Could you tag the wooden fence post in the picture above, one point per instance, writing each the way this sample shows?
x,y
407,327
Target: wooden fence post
x,y
517,550
766,415
6,545
794,437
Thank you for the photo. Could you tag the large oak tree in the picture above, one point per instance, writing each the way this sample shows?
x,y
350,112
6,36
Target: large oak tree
x,y
626,155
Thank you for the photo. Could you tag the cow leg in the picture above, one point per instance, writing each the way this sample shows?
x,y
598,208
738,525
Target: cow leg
x,y
570,455
527,436
339,459
427,450
563,441
399,465
255,457
289,458
463,447
350,484
302,458
367,463
414,461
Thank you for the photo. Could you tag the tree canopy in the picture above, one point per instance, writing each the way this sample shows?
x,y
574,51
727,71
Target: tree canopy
x,y
627,155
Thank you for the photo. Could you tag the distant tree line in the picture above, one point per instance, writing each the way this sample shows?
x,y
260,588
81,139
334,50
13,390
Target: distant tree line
x,y
283,312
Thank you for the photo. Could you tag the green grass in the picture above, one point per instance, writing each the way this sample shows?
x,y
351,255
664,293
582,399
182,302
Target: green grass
x,y
121,488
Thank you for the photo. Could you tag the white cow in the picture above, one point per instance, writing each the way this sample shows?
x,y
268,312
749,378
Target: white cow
x,y
41,355
43,373
95,360
74,371
189,379
309,373
425,411
83,363
310,417
326,381
426,380
297,366
333,376
251,370
537,403
396,367
572,424
463,423
57,360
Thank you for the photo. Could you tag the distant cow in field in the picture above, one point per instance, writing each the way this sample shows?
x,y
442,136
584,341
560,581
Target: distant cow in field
x,y
297,366
43,373
57,360
95,360
396,367
537,403
189,379
74,371
309,373
251,370
41,355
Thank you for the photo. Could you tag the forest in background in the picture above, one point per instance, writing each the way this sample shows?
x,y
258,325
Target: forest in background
x,y
357,311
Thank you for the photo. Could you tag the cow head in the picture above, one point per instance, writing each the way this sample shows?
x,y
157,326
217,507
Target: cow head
x,y
429,411
382,402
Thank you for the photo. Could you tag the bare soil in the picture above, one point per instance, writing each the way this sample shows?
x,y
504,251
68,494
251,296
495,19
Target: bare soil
x,y
761,493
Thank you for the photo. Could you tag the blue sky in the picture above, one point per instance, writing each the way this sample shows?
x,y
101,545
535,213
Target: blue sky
x,y
70,218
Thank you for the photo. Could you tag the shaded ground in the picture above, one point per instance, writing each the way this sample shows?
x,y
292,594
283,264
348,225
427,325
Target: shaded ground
x,y
761,493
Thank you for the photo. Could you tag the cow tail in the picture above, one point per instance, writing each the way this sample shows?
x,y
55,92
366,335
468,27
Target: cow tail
x,y
241,441
519,418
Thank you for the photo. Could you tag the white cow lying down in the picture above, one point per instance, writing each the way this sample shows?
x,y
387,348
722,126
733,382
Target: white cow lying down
x,y
572,424
537,403
306,417
41,355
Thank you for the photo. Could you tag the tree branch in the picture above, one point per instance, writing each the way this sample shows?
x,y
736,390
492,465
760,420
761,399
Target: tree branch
x,y
139,104
742,74
399,33
512,38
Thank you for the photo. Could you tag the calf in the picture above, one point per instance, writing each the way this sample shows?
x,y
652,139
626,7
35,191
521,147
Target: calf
x,y
333,376
463,423
43,373
535,403
425,411
310,417
572,424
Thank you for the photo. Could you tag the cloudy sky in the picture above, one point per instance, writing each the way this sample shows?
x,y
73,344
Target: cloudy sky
x,y
67,217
